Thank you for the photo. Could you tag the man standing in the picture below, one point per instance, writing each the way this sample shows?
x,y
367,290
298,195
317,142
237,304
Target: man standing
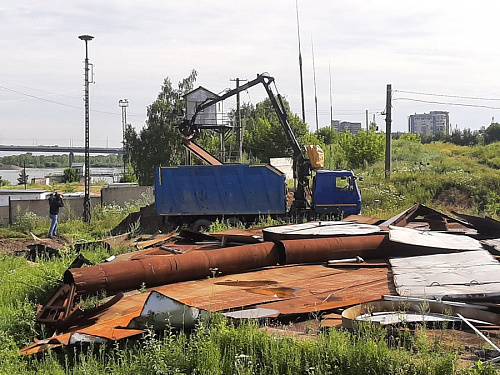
x,y
55,202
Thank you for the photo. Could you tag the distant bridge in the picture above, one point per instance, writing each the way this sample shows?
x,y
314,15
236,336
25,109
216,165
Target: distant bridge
x,y
63,149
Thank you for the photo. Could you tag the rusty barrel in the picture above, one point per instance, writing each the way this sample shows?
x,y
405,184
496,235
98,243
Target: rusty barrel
x,y
165,269
324,249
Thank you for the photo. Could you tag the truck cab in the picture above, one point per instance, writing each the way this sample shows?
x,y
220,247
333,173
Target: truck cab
x,y
336,192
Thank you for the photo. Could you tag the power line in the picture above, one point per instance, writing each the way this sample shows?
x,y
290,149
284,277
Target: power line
x,y
448,103
37,97
55,102
445,96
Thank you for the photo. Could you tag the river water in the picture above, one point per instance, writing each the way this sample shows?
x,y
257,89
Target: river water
x,y
108,175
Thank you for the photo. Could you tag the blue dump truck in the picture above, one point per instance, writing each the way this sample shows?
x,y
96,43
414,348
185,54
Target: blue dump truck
x,y
196,196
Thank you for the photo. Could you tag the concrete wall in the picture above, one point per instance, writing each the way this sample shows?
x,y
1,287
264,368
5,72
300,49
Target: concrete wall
x,y
116,194
73,206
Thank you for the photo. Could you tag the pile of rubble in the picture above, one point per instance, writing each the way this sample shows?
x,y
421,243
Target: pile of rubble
x,y
421,265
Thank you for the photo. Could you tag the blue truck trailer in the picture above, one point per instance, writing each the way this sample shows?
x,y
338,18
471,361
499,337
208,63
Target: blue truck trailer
x,y
196,196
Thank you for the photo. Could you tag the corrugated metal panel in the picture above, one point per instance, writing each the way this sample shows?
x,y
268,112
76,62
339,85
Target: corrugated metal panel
x,y
467,273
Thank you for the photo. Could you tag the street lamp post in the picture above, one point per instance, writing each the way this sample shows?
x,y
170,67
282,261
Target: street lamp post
x,y
123,103
86,199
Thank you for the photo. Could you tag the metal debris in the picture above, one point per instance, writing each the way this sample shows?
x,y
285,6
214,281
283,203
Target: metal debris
x,y
314,268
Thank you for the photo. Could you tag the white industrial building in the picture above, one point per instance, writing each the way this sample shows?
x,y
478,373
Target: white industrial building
x,y
429,123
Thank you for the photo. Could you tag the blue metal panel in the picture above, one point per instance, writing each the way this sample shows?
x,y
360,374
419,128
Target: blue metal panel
x,y
220,190
332,198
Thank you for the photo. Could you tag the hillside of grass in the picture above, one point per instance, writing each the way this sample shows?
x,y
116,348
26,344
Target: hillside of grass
x,y
441,175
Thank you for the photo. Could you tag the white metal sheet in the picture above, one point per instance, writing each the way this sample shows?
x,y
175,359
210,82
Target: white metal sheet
x,y
433,239
324,228
469,272
464,259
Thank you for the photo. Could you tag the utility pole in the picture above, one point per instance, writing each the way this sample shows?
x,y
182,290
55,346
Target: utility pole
x,y
239,127
331,100
123,103
300,66
367,124
388,130
86,199
315,94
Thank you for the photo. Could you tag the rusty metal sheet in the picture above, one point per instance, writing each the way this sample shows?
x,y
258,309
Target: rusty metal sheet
x,y
239,235
486,225
310,285
42,345
356,286
155,240
201,152
106,325
360,219
331,320
434,219
317,229
287,289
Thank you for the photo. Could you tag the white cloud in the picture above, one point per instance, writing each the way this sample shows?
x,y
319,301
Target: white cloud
x,y
443,47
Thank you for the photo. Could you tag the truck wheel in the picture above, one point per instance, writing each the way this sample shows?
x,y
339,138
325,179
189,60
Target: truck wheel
x,y
201,225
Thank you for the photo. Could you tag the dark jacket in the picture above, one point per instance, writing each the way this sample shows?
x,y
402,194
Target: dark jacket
x,y
55,202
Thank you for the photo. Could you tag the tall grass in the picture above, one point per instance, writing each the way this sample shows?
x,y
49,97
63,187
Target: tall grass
x,y
434,174
218,346
444,176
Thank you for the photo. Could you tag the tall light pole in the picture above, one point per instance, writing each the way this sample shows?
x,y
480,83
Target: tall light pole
x,y
86,199
123,103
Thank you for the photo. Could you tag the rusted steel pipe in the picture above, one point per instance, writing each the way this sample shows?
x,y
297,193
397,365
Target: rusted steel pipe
x,y
324,249
161,270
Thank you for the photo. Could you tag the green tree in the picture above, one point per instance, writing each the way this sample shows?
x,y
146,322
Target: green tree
x,y
159,143
264,136
328,135
129,175
492,133
23,178
364,147
70,175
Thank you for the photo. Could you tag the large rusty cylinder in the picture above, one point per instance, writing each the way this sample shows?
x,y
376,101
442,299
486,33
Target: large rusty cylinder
x,y
161,270
324,249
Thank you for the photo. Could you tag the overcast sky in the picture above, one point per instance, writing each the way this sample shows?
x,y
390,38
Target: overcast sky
x,y
449,49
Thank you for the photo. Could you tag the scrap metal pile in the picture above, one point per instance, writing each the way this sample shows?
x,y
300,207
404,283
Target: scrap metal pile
x,y
344,271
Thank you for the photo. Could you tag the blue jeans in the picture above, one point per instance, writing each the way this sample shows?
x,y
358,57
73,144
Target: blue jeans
x,y
53,225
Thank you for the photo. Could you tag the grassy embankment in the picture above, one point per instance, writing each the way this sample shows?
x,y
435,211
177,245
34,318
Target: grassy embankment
x,y
449,178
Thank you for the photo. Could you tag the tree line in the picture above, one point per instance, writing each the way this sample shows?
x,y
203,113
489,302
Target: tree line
x,y
466,137
60,161
159,142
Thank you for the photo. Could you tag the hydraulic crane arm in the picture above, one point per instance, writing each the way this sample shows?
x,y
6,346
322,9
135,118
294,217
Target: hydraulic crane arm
x,y
301,164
